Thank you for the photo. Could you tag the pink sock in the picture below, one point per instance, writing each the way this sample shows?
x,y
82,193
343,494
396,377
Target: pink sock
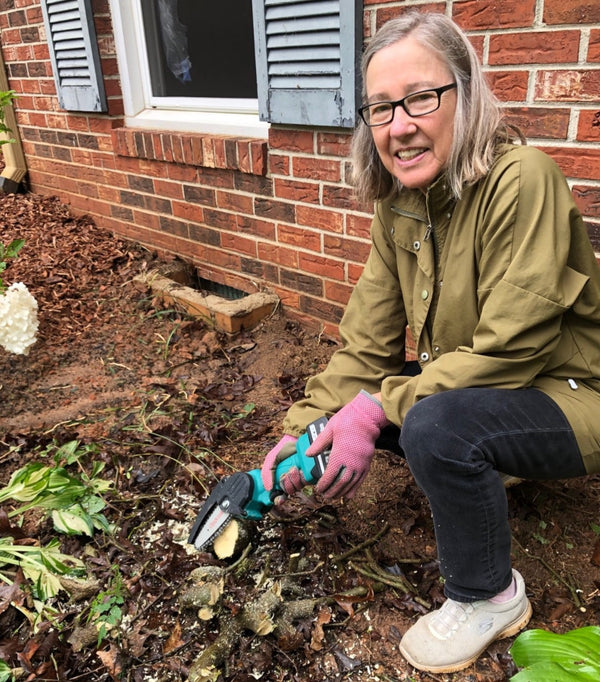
x,y
506,594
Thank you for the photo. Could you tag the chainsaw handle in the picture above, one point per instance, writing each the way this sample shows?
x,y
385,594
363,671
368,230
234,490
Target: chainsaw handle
x,y
312,469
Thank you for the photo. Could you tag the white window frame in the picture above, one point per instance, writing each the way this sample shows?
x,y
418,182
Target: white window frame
x,y
237,117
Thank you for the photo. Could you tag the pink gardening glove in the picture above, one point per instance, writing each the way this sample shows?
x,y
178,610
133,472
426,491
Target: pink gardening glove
x,y
351,433
283,449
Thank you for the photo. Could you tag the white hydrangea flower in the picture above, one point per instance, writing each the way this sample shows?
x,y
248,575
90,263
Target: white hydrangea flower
x,y
18,319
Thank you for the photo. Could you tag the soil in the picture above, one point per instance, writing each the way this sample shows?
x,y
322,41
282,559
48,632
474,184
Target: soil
x,y
170,405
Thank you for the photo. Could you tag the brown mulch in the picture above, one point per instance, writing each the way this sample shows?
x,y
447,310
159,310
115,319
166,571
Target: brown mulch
x,y
171,405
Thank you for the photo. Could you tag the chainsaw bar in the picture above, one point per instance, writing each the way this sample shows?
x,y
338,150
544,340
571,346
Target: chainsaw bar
x,y
227,500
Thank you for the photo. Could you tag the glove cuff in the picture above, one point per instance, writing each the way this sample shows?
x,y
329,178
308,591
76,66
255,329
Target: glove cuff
x,y
372,408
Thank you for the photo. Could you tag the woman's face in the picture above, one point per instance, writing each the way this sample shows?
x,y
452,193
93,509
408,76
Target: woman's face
x,y
414,150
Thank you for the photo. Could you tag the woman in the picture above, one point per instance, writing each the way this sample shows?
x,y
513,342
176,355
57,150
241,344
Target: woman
x,y
478,247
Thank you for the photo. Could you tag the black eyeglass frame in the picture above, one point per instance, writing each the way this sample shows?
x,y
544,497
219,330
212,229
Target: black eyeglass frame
x,y
401,103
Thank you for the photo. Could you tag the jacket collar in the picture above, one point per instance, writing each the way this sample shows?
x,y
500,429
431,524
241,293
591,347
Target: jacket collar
x,y
423,206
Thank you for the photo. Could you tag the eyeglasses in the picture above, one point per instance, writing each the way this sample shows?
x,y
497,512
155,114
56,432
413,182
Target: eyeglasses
x,y
417,104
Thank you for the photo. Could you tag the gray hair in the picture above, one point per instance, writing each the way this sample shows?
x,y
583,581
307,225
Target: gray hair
x,y
478,124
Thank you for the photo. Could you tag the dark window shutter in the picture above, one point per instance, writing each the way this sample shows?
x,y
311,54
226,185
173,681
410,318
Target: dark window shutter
x,y
307,53
74,54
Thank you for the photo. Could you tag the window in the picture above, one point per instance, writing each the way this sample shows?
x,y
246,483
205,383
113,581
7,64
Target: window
x,y
212,65
188,65
200,49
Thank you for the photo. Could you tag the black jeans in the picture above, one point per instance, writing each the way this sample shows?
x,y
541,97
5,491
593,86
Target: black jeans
x,y
455,444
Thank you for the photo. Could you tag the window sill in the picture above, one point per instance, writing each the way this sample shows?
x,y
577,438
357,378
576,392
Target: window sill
x,y
247,155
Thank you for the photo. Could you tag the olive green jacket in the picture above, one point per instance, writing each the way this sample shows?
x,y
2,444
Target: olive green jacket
x,y
500,289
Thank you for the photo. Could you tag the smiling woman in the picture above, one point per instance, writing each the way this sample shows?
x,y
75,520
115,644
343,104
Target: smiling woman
x,y
479,250
413,149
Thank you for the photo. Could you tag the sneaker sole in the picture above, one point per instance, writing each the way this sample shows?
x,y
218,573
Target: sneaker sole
x,y
509,631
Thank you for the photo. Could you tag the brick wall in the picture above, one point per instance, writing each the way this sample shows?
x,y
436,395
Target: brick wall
x,y
279,212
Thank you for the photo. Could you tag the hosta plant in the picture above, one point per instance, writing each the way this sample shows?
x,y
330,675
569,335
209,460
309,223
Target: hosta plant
x,y
547,656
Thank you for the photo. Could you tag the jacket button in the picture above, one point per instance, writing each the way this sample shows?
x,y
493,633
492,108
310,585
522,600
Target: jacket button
x,y
416,246
424,294
424,357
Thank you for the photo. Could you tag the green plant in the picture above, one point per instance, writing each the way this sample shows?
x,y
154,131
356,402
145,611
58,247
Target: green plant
x,y
74,502
105,609
545,656
41,565
9,251
6,674
6,99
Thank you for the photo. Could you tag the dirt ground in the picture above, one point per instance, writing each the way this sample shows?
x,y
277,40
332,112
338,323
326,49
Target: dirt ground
x,y
172,406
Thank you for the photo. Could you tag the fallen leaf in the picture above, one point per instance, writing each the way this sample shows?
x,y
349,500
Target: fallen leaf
x,y
111,662
174,640
318,635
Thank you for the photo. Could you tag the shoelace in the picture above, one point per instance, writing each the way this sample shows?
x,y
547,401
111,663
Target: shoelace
x,y
447,619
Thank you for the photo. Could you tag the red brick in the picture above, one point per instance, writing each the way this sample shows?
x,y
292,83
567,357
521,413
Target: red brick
x,y
334,144
259,156
316,168
358,226
323,219
275,210
191,212
571,12
219,147
386,13
307,192
542,122
354,272
177,148
588,129
508,86
576,85
594,46
173,190
243,160
323,267
208,152
215,178
286,234
235,242
588,200
197,152
179,173
340,198
291,140
259,228
321,309
273,253
492,14
150,220
234,201
540,47
345,249
337,292
279,164
577,162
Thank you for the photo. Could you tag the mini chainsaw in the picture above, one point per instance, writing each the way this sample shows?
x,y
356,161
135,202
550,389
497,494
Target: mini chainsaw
x,y
243,495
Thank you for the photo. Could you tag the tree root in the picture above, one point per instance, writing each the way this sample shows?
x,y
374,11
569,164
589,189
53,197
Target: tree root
x,y
268,612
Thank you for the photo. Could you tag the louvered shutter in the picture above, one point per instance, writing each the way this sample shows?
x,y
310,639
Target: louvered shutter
x,y
74,53
306,55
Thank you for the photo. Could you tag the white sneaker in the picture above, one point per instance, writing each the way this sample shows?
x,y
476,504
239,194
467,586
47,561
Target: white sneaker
x,y
509,480
454,636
